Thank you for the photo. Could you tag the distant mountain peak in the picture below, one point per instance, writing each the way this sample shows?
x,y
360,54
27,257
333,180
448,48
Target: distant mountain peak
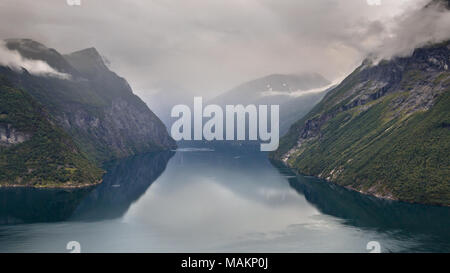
x,y
90,52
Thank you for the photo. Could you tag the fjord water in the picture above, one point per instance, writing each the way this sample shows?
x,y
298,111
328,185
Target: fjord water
x,y
206,201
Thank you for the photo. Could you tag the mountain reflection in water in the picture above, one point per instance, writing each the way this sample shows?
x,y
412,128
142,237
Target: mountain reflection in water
x,y
209,201
425,224
125,181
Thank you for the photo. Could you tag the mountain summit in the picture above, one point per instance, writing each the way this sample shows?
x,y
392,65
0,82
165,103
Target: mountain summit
x,y
88,62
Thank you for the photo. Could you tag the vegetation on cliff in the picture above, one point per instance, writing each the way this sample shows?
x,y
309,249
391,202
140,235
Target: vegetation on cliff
x,y
59,130
49,157
384,131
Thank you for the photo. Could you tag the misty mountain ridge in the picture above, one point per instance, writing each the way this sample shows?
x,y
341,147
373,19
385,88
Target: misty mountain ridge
x,y
274,89
291,91
283,84
33,50
279,89
81,65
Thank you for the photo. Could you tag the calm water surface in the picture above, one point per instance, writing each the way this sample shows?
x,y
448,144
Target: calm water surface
x,y
206,201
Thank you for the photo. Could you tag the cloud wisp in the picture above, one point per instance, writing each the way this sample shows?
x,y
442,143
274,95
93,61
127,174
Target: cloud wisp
x,y
418,28
300,93
15,61
207,47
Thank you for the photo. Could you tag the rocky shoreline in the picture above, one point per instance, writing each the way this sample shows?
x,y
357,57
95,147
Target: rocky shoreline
x,y
278,162
71,186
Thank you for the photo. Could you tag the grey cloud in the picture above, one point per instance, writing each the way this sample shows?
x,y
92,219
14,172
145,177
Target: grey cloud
x,y
207,47
428,25
13,60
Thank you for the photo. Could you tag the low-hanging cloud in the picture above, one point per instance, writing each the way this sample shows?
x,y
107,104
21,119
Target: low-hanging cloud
x,y
15,61
207,47
300,93
416,29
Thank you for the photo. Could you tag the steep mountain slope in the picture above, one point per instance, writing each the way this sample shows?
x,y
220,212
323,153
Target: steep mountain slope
x,y
33,150
57,129
95,106
383,131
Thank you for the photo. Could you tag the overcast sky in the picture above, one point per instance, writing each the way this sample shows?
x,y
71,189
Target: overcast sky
x,y
209,46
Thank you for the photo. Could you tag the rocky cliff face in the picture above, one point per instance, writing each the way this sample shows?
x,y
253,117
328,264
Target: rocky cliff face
x,y
382,131
95,106
55,131
10,136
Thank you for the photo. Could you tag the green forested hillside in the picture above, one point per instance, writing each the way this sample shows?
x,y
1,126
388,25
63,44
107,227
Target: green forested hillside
x,y
94,105
384,131
58,130
48,157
